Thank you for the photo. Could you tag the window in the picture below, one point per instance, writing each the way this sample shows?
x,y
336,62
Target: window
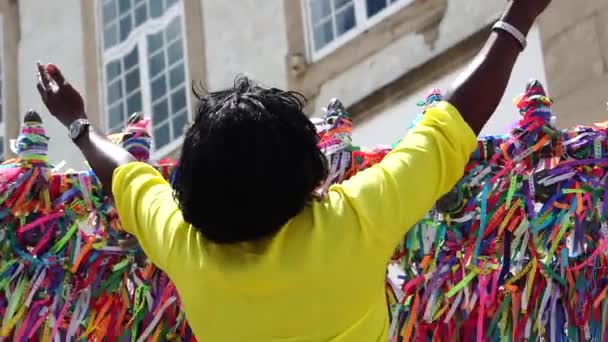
x,y
333,22
144,66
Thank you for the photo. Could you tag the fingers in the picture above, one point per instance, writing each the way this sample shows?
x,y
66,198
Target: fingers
x,y
41,90
43,77
40,83
55,74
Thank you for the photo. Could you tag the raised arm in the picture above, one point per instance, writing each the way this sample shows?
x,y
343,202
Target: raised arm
x,y
66,104
142,197
384,201
492,67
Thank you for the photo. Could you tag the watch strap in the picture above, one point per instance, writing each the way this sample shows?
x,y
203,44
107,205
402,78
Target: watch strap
x,y
513,31
78,127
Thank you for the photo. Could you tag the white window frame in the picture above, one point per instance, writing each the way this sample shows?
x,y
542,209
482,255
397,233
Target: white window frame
x,y
362,24
138,37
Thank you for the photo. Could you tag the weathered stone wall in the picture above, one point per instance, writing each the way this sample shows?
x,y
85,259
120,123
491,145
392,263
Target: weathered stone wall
x,y
575,43
51,31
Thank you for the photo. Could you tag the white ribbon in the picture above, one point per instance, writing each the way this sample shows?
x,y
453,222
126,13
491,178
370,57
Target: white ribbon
x,y
453,308
156,319
38,280
80,311
543,304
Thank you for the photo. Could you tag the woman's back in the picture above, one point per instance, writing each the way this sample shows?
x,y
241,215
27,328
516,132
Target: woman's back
x,y
321,276
302,285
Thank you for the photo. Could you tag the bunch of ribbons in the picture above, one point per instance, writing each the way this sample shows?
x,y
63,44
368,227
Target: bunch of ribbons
x,y
67,272
518,250
335,141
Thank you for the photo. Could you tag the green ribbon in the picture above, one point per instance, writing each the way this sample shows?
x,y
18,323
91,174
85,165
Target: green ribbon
x,y
512,187
60,244
494,323
467,279
553,274
564,225
16,298
120,265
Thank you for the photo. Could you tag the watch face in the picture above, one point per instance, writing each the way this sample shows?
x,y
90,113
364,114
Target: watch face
x,y
77,127
74,129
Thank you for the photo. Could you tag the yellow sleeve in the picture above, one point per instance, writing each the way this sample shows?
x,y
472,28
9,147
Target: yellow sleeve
x,y
387,199
147,210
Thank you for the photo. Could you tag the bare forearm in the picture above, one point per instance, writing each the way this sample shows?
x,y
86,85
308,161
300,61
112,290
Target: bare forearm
x,y
103,156
478,91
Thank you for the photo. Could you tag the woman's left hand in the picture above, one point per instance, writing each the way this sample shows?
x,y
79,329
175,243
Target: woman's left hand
x,y
62,100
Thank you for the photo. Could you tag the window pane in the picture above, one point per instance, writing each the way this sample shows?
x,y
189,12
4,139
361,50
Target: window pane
x,y
131,59
157,64
161,136
134,103
109,11
115,130
160,111
174,29
110,36
156,8
115,116
114,92
375,6
178,100
179,124
141,14
323,34
159,88
112,70
175,52
345,20
1,115
319,9
171,3
176,76
155,42
124,5
339,4
166,74
125,27
132,81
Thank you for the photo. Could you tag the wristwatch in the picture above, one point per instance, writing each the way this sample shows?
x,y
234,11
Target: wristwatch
x,y
78,127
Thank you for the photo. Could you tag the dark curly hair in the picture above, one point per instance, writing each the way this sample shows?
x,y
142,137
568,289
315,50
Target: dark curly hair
x,y
249,163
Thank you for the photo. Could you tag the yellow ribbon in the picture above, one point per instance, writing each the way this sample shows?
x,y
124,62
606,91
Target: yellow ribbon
x,y
530,282
519,275
6,330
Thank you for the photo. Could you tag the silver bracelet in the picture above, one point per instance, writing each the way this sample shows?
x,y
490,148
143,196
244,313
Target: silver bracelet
x,y
513,31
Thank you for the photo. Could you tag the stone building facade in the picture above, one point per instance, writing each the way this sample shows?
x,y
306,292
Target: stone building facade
x,y
575,44
378,56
